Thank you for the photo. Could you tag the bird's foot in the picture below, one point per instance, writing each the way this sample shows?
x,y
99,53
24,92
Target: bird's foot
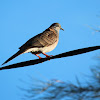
x,y
47,56
38,56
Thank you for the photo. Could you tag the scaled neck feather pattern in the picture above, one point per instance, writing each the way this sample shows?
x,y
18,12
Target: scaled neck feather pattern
x,y
56,29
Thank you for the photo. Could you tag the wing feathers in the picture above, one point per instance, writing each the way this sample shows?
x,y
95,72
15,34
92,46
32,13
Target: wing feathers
x,y
44,39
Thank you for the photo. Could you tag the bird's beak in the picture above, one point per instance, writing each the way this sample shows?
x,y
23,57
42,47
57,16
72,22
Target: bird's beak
x,y
62,29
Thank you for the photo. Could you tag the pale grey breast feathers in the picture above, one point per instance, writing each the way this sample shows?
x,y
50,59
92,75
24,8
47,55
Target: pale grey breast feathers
x,y
44,39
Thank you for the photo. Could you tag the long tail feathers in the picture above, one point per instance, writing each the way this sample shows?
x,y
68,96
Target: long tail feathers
x,y
12,57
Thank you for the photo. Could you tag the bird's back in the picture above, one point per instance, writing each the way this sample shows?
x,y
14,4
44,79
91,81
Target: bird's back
x,y
41,40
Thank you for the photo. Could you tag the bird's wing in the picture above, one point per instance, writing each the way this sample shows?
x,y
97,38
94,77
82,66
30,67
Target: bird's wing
x,y
44,39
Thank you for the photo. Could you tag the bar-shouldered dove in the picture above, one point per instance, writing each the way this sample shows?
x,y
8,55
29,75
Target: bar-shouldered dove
x,y
41,43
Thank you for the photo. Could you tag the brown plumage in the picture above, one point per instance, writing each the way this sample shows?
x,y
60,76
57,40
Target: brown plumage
x,y
41,43
45,39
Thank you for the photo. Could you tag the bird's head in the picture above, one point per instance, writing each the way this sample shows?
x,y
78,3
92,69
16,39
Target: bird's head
x,y
56,26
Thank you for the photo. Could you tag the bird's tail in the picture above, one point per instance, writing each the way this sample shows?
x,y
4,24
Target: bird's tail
x,y
12,57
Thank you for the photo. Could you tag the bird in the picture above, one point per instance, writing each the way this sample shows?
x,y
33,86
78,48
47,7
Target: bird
x,y
41,43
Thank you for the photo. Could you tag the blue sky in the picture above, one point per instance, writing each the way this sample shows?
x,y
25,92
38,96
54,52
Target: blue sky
x,y
22,19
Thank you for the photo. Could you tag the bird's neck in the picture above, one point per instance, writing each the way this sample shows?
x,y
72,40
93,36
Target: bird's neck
x,y
56,29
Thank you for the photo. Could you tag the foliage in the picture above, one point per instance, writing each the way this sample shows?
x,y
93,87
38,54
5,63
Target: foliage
x,y
59,90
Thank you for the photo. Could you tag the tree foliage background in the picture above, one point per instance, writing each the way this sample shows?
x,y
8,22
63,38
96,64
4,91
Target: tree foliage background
x,y
58,90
